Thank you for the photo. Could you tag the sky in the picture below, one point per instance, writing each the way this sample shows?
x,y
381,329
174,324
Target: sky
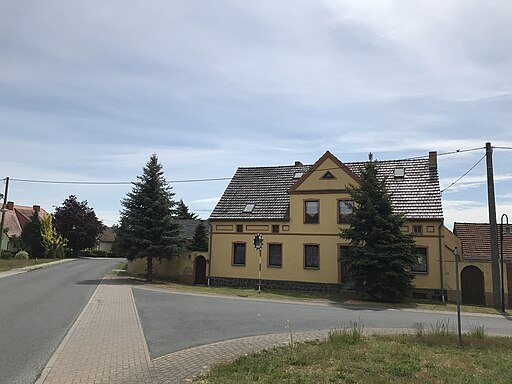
x,y
90,89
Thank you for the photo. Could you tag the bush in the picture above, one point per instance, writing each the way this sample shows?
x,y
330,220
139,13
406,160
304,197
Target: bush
x,y
86,253
99,253
21,255
7,255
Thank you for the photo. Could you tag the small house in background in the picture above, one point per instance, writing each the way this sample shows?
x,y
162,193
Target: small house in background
x,y
106,240
188,268
16,217
476,269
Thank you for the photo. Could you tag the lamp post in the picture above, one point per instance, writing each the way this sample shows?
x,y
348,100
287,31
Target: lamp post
x,y
3,210
258,244
507,231
457,288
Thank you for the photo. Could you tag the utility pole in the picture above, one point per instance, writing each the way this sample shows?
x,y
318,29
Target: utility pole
x,y
3,209
493,229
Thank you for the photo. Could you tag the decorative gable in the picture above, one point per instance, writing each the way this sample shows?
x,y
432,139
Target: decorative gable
x,y
327,174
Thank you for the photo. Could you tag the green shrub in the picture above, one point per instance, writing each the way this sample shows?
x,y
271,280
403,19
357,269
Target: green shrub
x,y
7,255
86,253
99,253
21,255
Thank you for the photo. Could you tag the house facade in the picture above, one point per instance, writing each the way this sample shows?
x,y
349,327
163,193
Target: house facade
x,y
299,210
475,267
15,218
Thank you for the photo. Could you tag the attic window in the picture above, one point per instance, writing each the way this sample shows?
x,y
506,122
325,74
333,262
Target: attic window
x,y
298,175
399,172
328,176
249,208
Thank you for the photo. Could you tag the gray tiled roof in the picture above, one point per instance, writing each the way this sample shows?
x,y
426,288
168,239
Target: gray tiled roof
x,y
417,195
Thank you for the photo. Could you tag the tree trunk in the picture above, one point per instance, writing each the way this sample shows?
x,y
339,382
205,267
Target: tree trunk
x,y
149,269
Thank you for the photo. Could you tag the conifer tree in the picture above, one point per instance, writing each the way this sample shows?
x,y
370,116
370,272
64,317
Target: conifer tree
x,y
183,212
53,243
200,239
31,237
147,226
381,255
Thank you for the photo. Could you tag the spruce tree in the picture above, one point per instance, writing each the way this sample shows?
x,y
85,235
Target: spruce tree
x,y
31,238
200,239
182,211
381,255
148,227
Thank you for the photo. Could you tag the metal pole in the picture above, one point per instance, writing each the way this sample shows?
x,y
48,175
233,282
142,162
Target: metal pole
x,y
456,254
493,228
501,262
259,275
441,261
3,214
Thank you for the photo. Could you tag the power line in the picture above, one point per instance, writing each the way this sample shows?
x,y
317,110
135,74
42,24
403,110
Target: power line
x,y
469,170
114,182
509,148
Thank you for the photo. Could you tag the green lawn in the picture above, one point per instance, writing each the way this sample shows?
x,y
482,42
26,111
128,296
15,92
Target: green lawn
x,y
119,269
6,265
345,299
348,357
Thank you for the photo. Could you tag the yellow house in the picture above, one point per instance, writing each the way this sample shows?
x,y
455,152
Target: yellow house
x,y
299,209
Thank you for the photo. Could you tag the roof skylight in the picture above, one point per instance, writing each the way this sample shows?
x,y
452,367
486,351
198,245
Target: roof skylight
x,y
298,175
399,172
249,208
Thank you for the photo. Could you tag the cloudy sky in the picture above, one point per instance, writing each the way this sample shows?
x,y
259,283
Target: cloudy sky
x,y
89,90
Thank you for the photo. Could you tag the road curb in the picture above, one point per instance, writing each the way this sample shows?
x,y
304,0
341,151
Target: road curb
x,y
48,367
17,271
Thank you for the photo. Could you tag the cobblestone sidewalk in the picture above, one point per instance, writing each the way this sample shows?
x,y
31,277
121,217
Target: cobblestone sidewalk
x,y
107,345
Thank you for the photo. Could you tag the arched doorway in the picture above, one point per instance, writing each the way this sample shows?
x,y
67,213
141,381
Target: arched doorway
x,y
200,270
473,287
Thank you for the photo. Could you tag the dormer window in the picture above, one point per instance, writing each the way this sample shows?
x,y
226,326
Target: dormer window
x,y
249,208
399,172
298,175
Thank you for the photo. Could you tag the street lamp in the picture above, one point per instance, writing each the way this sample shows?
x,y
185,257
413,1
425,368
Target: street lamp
x,y
258,244
507,231
457,288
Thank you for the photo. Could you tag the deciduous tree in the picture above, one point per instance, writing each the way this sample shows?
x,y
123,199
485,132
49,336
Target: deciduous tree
x,y
148,227
53,243
77,223
381,255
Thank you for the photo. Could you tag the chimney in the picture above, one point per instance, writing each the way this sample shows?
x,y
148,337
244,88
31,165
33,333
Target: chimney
x,y
36,208
298,164
10,205
432,160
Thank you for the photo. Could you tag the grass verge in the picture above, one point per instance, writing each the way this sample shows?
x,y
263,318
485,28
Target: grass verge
x,y
341,298
6,265
119,269
349,357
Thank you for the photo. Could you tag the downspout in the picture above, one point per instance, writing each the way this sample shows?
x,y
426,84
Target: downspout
x,y
441,260
210,253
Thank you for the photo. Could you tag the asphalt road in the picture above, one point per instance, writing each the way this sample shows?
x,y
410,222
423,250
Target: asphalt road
x,y
37,308
174,321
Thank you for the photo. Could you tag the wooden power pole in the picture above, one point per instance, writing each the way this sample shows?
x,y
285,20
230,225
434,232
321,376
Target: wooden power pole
x,y
493,229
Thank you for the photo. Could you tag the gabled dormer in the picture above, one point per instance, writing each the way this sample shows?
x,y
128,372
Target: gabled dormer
x,y
328,174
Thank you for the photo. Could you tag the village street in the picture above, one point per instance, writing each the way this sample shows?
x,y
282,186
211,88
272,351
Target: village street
x,y
135,333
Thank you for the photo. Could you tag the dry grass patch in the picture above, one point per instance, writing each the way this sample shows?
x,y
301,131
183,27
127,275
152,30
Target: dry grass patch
x,y
6,265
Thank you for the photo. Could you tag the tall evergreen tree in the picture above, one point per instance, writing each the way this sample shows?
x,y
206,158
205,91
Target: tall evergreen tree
x,y
31,237
182,211
200,239
147,226
381,255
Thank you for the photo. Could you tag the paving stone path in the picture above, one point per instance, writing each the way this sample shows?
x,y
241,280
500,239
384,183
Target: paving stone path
x,y
106,345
